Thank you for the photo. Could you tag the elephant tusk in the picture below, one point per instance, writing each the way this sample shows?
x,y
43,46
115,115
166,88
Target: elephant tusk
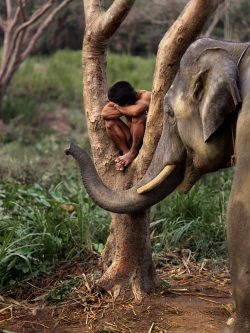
x,y
157,180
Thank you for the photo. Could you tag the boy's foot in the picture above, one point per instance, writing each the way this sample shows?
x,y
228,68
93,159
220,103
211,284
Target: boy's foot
x,y
124,160
119,166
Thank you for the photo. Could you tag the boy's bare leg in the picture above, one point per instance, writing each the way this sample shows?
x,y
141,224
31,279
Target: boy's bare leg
x,y
120,134
137,132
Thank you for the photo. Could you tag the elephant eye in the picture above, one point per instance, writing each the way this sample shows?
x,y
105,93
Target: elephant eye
x,y
169,110
171,116
198,90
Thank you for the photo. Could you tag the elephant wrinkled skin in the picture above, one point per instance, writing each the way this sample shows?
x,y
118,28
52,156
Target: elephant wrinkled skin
x,y
206,109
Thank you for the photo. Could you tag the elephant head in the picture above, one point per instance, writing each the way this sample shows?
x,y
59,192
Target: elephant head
x,y
197,137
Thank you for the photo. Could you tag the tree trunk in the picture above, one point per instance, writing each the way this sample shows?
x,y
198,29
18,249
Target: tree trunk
x,y
131,262
2,94
127,257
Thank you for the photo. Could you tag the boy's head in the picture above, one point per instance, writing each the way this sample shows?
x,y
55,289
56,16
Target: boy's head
x,y
122,93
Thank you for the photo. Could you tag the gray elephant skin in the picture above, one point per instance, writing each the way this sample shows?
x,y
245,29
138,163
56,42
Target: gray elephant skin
x,y
206,122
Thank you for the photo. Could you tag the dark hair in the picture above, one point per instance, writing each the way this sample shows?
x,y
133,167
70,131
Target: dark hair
x,y
122,93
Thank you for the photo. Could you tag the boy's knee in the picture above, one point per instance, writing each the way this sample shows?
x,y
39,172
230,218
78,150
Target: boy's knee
x,y
110,124
139,120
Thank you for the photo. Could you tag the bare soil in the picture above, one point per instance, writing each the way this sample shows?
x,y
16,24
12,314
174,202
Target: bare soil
x,y
195,298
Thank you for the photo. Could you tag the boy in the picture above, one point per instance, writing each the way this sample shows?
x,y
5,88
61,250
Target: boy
x,y
125,101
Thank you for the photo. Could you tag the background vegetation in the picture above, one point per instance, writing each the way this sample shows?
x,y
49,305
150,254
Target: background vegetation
x,y
45,214
141,32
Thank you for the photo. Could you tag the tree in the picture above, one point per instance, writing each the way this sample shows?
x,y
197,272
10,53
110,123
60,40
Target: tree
x,y
219,13
239,19
127,256
22,25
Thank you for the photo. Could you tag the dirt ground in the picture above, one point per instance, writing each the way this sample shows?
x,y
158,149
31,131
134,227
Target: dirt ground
x,y
194,298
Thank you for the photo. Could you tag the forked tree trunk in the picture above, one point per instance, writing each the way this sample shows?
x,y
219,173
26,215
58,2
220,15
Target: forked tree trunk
x,y
131,262
127,256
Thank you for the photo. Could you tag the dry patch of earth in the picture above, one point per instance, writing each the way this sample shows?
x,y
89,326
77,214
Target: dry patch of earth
x,y
195,299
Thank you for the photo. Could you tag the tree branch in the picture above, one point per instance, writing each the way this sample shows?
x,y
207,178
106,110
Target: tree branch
x,y
102,23
6,47
15,57
22,5
91,9
2,23
8,9
41,29
11,41
218,14
115,15
14,60
15,18
35,16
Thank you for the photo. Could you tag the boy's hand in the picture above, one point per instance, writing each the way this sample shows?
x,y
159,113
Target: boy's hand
x,y
139,108
113,105
111,111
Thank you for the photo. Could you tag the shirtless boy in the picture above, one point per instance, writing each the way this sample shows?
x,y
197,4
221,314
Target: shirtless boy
x,y
128,137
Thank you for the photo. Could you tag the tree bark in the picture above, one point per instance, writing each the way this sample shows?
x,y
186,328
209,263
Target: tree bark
x,y
132,259
127,257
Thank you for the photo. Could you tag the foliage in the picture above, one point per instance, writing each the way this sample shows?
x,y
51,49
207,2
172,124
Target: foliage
x,y
43,80
137,70
45,215
141,32
22,24
239,16
65,32
196,220
42,226
59,294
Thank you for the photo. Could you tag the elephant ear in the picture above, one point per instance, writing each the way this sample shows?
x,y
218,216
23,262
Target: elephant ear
x,y
216,88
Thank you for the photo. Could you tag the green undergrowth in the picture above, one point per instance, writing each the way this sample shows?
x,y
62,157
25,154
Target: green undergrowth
x,y
195,220
53,220
45,215
41,226
43,82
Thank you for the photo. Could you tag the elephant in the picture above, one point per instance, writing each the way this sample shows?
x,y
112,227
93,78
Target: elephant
x,y
206,122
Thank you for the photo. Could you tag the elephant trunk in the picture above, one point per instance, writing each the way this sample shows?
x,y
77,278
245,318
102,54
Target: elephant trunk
x,y
123,202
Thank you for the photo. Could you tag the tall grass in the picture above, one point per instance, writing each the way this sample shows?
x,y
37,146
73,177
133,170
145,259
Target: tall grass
x,y
137,70
195,220
58,79
42,226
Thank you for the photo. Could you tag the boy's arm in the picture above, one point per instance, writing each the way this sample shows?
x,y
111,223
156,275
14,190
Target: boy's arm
x,y
110,112
137,109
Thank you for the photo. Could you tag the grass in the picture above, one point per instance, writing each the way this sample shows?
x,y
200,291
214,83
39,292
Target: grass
x,y
45,215
53,220
195,220
57,80
137,70
41,226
